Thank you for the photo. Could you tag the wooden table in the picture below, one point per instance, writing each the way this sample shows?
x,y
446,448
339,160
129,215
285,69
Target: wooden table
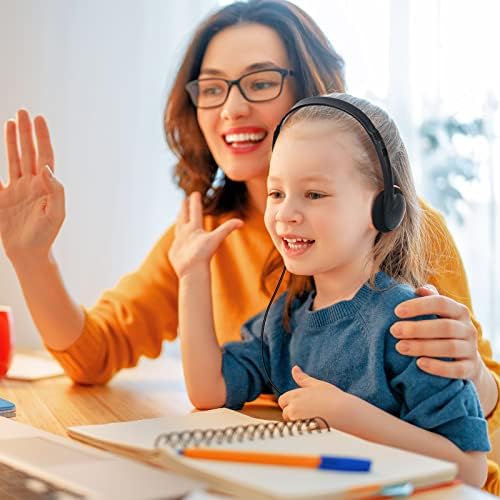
x,y
154,389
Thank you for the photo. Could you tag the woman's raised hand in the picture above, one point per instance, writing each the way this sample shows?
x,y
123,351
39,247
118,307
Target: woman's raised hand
x,y
193,246
32,202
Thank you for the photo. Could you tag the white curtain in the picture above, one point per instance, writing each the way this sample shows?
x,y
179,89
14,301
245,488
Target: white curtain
x,y
99,71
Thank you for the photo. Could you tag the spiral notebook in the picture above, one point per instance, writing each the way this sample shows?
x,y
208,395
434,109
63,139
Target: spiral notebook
x,y
157,441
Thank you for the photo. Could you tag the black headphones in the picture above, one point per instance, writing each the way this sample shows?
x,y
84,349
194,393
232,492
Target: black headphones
x,y
390,205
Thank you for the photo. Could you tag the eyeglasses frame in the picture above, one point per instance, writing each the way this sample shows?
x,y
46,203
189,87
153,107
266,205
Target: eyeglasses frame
x,y
282,71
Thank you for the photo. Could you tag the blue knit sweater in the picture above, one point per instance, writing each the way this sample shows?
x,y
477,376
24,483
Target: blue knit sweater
x,y
349,345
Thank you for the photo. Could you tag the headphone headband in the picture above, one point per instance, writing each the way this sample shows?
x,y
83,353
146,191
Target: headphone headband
x,y
362,119
389,206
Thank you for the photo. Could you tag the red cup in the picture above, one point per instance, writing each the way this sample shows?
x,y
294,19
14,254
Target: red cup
x,y
6,339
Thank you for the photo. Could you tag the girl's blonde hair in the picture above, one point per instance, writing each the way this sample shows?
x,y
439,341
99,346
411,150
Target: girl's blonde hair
x,y
401,253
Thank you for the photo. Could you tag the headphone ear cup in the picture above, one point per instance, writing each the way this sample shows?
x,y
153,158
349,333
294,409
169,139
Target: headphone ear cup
x,y
396,212
378,217
388,216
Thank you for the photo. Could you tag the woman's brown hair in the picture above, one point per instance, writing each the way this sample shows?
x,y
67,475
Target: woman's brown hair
x,y
317,69
401,253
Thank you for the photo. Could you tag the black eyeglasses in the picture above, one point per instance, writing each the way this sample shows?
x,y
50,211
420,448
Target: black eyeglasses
x,y
257,86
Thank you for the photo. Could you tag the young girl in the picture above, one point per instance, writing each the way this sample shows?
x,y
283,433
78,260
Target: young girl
x,y
352,258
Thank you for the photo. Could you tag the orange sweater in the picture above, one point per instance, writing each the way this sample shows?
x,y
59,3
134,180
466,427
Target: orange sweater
x,y
135,317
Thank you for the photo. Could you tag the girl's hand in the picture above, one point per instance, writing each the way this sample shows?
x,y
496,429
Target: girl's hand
x,y
193,246
315,398
452,335
32,203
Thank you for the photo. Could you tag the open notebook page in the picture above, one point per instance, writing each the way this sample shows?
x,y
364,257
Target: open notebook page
x,y
389,465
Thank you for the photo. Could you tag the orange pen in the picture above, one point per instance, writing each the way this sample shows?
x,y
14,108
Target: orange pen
x,y
328,462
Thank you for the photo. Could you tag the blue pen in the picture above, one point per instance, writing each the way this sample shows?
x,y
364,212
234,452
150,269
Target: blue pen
x,y
325,462
347,464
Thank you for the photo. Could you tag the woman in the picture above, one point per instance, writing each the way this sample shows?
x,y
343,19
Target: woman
x,y
231,128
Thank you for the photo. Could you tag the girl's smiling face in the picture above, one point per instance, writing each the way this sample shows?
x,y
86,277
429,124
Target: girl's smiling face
x,y
239,132
318,210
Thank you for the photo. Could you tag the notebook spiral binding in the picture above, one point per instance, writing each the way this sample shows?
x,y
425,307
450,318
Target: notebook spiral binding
x,y
239,433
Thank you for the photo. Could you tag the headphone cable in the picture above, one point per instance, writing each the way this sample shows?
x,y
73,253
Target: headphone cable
x,y
262,332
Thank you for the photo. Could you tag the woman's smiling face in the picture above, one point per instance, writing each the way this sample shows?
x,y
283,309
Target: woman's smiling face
x,y
239,132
